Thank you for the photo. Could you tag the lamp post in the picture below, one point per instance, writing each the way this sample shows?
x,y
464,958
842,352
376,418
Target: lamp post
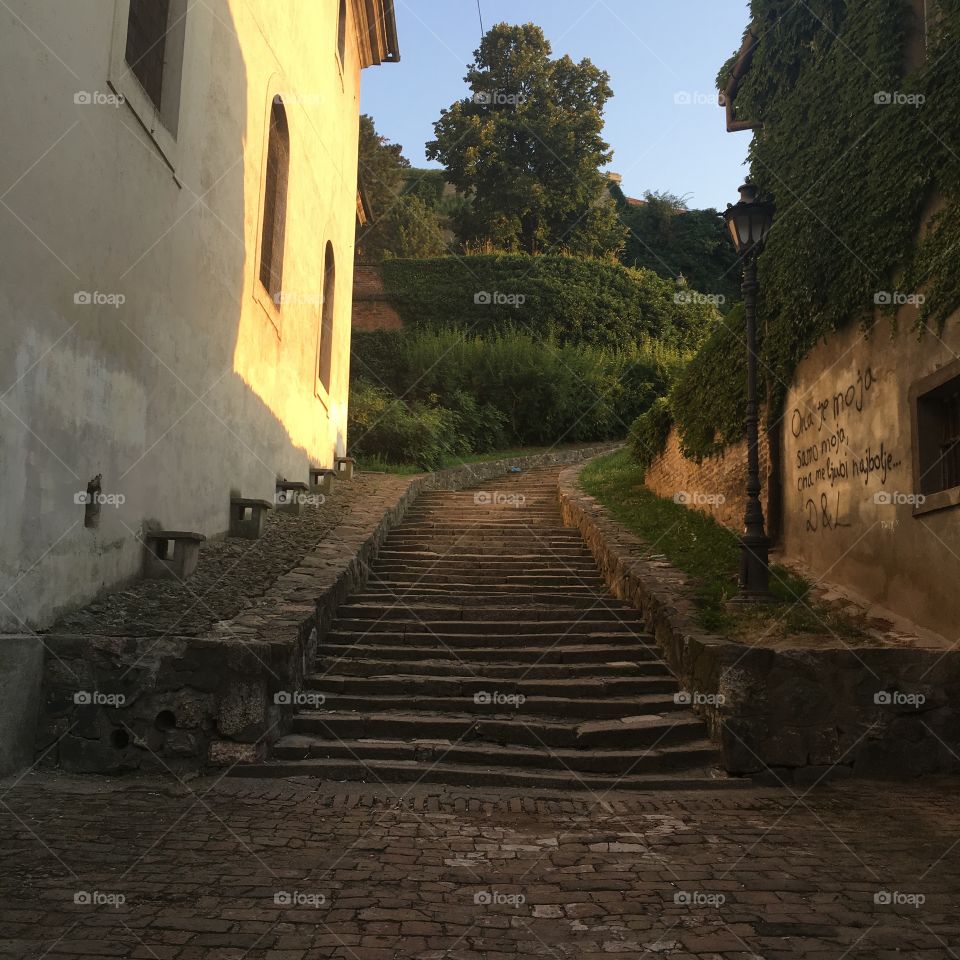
x,y
749,222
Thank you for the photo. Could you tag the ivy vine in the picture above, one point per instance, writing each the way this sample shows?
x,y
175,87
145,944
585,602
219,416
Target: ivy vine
x,y
857,147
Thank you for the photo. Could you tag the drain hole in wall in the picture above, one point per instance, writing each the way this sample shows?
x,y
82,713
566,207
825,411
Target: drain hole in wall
x,y
120,739
165,720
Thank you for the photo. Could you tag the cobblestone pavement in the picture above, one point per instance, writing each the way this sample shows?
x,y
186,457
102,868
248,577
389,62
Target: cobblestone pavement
x,y
280,870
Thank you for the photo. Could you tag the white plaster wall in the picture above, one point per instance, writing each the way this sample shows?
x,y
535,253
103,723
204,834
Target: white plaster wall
x,y
187,391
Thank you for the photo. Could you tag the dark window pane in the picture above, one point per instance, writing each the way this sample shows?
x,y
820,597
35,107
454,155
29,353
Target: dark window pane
x,y
146,44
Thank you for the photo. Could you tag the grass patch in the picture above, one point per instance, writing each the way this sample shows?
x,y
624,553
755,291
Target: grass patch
x,y
710,554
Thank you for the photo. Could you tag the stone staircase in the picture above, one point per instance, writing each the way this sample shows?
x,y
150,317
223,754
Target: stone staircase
x,y
486,651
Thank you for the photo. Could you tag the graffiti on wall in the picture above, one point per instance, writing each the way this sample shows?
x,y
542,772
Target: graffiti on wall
x,y
836,452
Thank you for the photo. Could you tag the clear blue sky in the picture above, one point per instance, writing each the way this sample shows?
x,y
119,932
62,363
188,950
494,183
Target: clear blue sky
x,y
653,50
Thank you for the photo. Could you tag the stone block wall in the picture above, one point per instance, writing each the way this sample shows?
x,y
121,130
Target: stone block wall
x,y
784,715
717,486
371,305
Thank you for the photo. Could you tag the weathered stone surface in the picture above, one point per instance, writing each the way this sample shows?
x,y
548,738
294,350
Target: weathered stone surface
x,y
230,869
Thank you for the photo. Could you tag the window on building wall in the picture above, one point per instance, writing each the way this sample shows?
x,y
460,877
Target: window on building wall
x,y
325,358
275,202
937,439
154,53
342,31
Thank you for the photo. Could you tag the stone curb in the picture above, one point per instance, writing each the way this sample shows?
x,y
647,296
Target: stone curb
x,y
790,715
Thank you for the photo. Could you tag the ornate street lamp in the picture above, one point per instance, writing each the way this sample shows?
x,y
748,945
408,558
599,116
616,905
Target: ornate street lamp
x,y
749,222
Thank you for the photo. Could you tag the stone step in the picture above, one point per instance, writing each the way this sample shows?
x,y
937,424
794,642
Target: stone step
x,y
494,614
428,574
485,567
415,597
349,663
692,755
479,555
412,771
519,630
605,707
562,653
650,730
465,686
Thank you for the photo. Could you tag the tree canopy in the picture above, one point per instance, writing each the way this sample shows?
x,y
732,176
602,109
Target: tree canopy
x,y
526,145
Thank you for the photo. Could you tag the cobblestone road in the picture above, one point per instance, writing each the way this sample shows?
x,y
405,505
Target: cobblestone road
x,y
274,870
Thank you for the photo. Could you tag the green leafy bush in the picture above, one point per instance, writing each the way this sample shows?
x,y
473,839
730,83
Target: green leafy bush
x,y
709,398
566,299
382,426
649,432
509,388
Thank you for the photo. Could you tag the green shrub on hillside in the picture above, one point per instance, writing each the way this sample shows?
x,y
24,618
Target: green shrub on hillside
x,y
382,426
649,432
525,390
709,398
573,301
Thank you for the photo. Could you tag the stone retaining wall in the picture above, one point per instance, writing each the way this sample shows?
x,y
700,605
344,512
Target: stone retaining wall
x,y
790,715
224,695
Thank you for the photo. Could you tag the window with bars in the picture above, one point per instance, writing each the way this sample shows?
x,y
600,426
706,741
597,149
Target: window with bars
x,y
938,437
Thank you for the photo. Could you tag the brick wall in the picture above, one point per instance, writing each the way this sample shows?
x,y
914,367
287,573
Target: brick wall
x,y
371,307
717,486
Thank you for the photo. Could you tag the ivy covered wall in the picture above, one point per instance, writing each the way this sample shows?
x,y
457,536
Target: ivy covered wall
x,y
858,143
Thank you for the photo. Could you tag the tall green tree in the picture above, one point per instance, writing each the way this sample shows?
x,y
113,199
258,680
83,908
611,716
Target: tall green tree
x,y
382,166
399,225
526,145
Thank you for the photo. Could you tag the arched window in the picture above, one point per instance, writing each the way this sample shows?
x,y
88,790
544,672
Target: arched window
x,y
325,361
342,31
275,202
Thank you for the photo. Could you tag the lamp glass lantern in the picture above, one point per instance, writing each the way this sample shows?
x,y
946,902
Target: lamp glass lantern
x,y
749,220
